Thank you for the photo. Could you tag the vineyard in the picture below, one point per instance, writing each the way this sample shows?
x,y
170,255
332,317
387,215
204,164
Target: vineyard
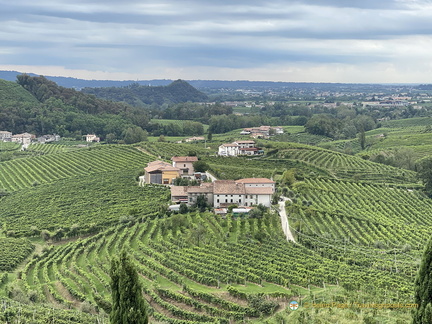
x,y
200,268
14,251
168,150
347,166
50,148
364,214
80,204
23,173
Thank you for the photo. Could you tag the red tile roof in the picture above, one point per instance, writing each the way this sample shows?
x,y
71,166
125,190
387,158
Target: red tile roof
x,y
255,180
184,159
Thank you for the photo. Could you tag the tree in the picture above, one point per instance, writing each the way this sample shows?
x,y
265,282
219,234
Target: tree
x,y
425,174
200,166
423,288
127,301
209,136
362,139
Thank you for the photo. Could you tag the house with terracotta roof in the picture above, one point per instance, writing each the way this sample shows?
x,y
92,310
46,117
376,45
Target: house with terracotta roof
x,y
185,164
160,172
223,193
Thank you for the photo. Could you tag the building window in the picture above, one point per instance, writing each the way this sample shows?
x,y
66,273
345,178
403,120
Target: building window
x,y
217,201
226,200
231,200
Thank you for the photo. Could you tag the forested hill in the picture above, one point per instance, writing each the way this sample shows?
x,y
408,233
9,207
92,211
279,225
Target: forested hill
x,y
140,95
38,105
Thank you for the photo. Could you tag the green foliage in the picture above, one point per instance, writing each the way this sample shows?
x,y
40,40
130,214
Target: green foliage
x,y
200,166
85,201
22,173
423,288
425,174
14,251
139,95
127,301
40,106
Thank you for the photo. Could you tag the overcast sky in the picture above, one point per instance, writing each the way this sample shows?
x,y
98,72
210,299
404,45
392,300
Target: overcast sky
x,y
366,41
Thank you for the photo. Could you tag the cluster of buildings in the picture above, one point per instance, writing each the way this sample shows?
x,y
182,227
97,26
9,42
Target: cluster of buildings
x,y
262,131
220,194
223,193
160,172
27,138
239,148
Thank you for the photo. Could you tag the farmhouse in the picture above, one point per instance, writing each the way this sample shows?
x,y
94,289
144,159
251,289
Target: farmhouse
x,y
92,138
262,131
222,193
48,138
194,139
185,164
5,136
239,148
24,138
160,172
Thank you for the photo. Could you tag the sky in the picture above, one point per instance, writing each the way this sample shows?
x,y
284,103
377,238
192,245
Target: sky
x,y
364,41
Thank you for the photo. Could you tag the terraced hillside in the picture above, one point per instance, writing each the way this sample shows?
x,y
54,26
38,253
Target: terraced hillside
x,y
364,214
80,204
346,166
23,173
198,268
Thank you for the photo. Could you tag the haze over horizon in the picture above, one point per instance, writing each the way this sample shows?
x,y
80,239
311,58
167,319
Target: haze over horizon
x,y
302,41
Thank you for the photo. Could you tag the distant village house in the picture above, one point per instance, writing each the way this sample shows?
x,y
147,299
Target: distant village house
x,y
24,138
5,136
92,138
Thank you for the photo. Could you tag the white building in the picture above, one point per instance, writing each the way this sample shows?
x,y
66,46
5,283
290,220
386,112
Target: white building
x,y
92,138
228,150
24,138
5,136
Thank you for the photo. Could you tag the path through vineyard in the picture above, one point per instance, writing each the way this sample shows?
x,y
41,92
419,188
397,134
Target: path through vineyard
x,y
284,219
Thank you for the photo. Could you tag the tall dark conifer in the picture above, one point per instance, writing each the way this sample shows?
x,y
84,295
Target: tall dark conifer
x,y
128,305
423,288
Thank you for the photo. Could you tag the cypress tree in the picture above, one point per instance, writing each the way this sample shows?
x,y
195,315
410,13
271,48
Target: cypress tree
x,y
423,289
128,305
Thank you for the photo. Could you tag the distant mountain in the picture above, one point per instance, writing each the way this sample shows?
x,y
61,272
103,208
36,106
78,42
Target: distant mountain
x,y
198,84
140,95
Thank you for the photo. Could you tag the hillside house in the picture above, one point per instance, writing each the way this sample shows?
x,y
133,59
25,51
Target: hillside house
x,y
24,138
262,131
185,164
230,149
5,136
222,193
194,139
160,172
239,148
48,138
92,138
